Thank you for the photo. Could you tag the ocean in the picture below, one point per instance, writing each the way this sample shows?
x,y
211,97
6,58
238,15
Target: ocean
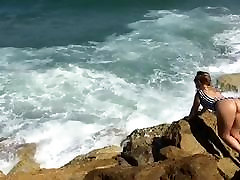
x,y
82,74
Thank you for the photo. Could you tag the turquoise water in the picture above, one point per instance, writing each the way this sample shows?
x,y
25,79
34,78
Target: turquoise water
x,y
78,75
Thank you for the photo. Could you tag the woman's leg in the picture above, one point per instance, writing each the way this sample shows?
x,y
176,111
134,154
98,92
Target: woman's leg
x,y
235,131
226,114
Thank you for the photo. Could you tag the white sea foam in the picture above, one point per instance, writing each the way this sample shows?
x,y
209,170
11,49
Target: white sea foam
x,y
228,41
71,111
59,142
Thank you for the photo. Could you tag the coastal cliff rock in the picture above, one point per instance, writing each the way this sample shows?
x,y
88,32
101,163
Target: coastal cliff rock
x,y
26,161
76,169
95,157
197,167
142,146
229,82
137,147
180,150
2,176
198,136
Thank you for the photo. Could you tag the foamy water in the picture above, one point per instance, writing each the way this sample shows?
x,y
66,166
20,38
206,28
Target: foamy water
x,y
72,99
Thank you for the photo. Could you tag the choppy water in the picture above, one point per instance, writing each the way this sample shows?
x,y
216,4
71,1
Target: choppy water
x,y
78,76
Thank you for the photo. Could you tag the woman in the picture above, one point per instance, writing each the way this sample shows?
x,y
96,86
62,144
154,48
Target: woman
x,y
227,109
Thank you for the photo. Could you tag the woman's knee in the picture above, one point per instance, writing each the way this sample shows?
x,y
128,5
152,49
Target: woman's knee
x,y
224,135
235,134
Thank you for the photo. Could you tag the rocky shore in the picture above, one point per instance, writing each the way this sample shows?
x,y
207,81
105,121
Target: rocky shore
x,y
229,82
182,150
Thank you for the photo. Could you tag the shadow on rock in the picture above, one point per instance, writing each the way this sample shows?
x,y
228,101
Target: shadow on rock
x,y
206,136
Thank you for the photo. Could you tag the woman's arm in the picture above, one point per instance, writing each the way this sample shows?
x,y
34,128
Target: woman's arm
x,y
195,106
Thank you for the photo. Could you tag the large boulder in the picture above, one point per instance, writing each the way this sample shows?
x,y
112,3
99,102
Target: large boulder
x,y
198,136
138,146
180,135
142,146
197,167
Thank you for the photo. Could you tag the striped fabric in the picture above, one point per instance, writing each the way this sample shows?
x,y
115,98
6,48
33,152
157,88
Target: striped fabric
x,y
206,101
209,102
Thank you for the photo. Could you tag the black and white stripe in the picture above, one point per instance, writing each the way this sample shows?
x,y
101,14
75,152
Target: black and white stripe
x,y
206,101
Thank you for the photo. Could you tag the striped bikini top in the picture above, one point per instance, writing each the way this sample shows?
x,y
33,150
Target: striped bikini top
x,y
207,101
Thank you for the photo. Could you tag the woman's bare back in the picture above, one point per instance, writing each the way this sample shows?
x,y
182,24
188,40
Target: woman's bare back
x,y
213,93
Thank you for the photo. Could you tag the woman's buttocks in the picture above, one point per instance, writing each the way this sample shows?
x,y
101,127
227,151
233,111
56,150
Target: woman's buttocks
x,y
228,105
237,102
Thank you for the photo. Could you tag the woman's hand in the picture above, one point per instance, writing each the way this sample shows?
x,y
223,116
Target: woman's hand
x,y
187,118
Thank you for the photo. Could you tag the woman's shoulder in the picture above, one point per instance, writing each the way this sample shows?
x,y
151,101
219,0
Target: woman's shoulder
x,y
214,89
217,92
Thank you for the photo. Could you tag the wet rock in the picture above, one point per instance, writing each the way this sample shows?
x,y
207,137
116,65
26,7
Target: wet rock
x,y
2,175
76,169
26,162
